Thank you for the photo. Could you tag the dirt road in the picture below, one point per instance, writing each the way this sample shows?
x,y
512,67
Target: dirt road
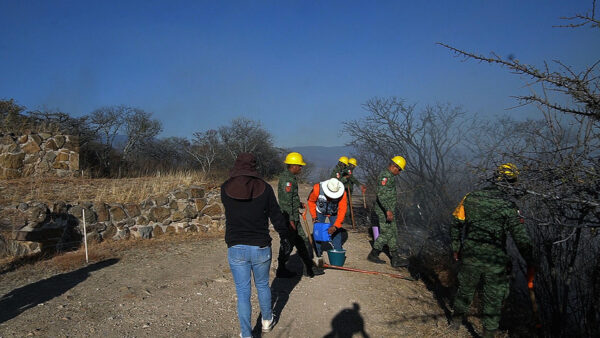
x,y
186,289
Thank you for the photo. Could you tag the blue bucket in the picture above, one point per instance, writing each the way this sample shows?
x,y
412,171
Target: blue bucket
x,y
336,257
320,232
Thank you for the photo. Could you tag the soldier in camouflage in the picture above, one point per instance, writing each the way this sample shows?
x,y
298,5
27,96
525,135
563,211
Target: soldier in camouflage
x,y
340,170
385,206
289,202
482,221
352,181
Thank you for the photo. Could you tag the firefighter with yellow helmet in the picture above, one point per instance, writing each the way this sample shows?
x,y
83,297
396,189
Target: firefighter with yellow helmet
x,y
385,206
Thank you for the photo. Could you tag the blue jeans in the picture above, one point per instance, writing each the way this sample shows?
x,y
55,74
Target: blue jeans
x,y
244,259
336,237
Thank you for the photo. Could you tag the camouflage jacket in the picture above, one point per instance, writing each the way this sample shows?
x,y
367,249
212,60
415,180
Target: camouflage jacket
x,y
482,221
341,174
386,191
351,179
287,193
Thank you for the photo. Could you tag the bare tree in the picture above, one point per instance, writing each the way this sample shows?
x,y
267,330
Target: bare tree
x,y
559,184
140,128
205,148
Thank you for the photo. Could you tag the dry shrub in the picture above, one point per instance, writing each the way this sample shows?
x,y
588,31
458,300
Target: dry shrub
x,y
71,190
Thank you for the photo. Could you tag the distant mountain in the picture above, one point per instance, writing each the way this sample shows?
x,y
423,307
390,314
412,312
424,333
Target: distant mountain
x,y
323,159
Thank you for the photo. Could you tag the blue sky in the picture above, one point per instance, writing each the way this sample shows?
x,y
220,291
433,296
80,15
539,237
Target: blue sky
x,y
299,67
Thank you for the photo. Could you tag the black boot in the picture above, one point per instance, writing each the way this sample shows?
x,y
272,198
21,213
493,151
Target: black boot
x,y
397,261
283,272
456,320
374,256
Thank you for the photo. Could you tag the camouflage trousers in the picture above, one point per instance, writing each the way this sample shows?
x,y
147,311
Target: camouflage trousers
x,y
495,290
299,240
388,233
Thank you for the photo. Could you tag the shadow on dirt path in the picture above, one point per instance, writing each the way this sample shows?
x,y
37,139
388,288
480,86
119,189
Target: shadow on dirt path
x,y
347,323
19,300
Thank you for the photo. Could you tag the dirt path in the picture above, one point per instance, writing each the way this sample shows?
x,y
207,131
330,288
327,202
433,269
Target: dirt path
x,y
186,289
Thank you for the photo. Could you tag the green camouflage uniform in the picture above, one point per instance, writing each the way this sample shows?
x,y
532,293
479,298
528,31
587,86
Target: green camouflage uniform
x,y
352,181
340,172
386,201
484,218
289,202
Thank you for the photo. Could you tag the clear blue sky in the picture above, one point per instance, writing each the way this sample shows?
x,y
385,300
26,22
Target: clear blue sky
x,y
299,67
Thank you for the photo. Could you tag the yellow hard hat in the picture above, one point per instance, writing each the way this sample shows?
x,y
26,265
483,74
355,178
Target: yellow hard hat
x,y
344,159
294,158
400,161
508,171
352,161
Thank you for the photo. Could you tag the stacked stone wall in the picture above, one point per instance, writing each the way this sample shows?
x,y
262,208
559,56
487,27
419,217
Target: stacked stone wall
x,y
25,225
36,154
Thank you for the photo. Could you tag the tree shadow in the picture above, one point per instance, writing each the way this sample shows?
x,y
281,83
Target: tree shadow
x,y
19,300
347,323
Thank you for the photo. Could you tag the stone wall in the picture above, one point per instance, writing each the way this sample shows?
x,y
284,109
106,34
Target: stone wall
x,y
34,154
28,227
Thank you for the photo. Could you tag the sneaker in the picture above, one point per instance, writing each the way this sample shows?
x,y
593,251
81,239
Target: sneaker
x,y
267,325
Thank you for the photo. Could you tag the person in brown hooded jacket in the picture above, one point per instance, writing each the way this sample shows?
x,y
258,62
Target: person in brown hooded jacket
x,y
249,204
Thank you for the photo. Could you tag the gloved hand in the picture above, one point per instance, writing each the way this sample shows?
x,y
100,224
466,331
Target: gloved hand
x,y
363,188
293,225
286,246
530,275
332,229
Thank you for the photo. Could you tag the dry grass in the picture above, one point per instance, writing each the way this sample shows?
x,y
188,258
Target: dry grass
x,y
97,252
124,190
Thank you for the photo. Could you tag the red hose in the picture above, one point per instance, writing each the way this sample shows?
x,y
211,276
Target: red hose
x,y
327,266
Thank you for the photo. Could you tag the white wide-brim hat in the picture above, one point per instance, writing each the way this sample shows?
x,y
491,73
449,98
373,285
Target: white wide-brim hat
x,y
333,188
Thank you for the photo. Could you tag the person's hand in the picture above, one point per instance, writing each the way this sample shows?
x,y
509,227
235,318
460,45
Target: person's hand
x,y
293,225
286,246
455,255
530,275
389,216
332,229
363,188
302,205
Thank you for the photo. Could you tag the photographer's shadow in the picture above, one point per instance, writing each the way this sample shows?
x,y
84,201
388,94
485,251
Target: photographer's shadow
x,y
347,323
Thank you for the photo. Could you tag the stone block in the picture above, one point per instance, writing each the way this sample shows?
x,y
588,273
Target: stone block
x,y
117,214
59,140
50,145
31,147
74,161
59,207
133,210
160,200
12,219
62,156
159,214
61,166
157,231
35,138
22,139
213,210
177,216
102,212
180,195
7,144
200,204
141,220
71,143
196,192
45,136
12,160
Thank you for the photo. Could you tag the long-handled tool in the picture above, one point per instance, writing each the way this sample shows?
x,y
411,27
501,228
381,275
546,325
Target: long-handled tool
x,y
394,275
351,210
306,227
364,200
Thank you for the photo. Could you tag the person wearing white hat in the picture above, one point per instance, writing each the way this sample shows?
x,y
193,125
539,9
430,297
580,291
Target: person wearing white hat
x,y
328,199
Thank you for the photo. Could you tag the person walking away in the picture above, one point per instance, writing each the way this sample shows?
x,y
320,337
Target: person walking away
x,y
328,200
289,201
385,206
482,221
249,204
